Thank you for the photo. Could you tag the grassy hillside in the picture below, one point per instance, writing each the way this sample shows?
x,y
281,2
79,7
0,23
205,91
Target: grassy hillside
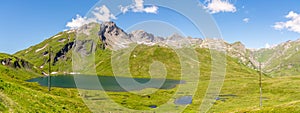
x,y
240,92
17,95
61,55
240,81
281,60
61,47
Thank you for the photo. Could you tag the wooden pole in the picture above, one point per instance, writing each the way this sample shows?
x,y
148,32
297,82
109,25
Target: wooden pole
x,y
280,65
49,76
260,85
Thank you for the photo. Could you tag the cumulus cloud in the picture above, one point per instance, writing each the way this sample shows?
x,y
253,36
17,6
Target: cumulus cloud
x,y
216,6
138,6
246,20
99,14
293,24
267,45
77,22
103,14
152,9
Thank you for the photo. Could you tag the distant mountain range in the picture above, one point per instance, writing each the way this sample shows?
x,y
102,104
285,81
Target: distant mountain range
x,y
282,58
241,79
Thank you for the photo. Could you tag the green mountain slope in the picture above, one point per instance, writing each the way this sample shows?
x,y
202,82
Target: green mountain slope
x,y
240,92
17,95
280,60
240,81
60,45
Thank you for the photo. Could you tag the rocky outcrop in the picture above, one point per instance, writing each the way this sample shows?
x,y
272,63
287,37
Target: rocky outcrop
x,y
283,58
15,62
245,56
81,48
62,53
142,37
113,37
195,42
177,41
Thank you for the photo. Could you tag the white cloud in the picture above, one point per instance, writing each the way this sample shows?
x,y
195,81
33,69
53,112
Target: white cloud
x,y
293,24
103,14
100,14
279,25
124,9
78,22
216,6
246,20
152,9
138,6
267,45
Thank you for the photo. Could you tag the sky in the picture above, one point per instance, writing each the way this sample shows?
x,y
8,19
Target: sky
x,y
256,23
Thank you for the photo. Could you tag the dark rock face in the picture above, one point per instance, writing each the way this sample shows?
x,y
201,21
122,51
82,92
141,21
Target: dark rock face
x,y
45,53
7,62
175,37
114,38
26,65
62,53
111,36
82,48
18,63
110,28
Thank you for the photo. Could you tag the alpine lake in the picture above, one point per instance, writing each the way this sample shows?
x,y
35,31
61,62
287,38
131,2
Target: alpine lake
x,y
108,83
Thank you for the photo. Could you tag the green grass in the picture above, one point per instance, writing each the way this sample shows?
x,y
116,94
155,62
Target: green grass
x,y
3,107
240,80
282,60
38,58
280,93
21,96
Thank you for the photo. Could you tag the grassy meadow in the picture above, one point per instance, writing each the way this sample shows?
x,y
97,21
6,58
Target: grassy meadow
x,y
280,94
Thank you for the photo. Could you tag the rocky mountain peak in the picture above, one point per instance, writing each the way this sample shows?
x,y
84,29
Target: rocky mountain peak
x,y
111,29
175,37
139,32
239,47
112,36
140,35
108,27
238,44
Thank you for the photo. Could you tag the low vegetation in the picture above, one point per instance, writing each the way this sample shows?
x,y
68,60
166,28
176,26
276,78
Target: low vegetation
x,y
240,92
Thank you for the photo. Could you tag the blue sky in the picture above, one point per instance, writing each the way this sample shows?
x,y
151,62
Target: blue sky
x,y
26,23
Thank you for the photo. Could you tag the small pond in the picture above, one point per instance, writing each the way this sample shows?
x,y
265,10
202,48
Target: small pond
x,y
224,97
184,100
109,83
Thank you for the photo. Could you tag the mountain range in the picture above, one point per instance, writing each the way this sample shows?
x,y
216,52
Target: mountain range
x,y
281,58
240,90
